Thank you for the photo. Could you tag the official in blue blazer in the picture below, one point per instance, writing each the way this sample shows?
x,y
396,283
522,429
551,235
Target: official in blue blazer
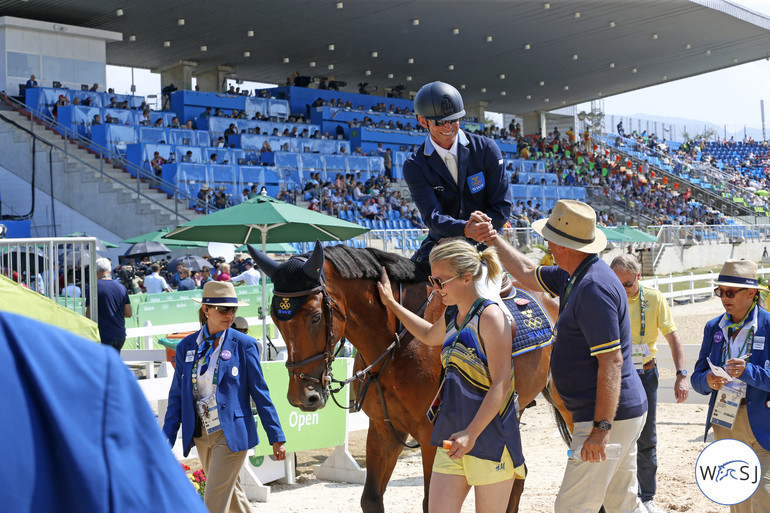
x,y
217,373
737,340
454,174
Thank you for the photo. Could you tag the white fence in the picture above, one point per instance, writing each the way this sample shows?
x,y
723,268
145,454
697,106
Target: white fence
x,y
697,285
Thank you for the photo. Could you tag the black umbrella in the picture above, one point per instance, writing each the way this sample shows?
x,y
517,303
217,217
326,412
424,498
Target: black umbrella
x,y
76,257
192,262
147,248
16,258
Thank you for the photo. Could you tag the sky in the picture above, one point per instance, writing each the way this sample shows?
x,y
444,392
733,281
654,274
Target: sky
x,y
729,98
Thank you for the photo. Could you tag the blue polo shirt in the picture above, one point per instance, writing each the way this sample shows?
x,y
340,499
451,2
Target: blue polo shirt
x,y
593,321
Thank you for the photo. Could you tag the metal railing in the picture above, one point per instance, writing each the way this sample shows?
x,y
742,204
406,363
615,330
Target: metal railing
x,y
62,269
72,138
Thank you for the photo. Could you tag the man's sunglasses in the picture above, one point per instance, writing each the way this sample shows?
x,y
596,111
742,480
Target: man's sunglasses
x,y
628,284
729,294
224,309
435,282
442,123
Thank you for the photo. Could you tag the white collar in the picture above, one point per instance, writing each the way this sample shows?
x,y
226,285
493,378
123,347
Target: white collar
x,y
430,145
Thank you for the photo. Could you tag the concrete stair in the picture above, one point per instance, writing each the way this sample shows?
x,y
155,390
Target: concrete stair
x,y
100,191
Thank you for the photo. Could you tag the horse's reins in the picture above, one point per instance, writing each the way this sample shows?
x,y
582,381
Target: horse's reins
x,y
365,376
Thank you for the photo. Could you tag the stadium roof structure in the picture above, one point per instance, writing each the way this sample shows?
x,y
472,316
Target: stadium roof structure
x,y
518,56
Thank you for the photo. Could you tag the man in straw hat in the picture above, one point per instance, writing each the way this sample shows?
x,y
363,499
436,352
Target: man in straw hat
x,y
591,359
735,340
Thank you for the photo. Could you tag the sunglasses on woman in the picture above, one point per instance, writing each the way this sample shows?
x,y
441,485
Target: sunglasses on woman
x,y
224,309
729,294
435,282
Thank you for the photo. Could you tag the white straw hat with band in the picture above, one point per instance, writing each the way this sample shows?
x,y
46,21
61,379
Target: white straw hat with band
x,y
219,293
739,274
572,224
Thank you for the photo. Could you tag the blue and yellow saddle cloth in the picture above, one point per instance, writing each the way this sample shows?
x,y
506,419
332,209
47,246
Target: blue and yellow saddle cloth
x,y
533,327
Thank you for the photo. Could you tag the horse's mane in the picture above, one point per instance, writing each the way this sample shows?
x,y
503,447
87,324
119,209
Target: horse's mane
x,y
367,263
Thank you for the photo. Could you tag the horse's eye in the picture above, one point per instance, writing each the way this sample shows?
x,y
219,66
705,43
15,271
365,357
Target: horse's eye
x,y
316,318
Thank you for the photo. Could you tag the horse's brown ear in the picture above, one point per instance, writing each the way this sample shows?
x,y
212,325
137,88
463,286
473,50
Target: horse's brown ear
x,y
314,266
266,264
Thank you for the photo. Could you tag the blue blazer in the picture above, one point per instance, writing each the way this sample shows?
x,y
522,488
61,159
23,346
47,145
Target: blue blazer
x,y
233,394
80,435
756,375
445,206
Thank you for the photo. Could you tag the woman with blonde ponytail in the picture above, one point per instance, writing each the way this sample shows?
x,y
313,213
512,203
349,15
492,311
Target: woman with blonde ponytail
x,y
475,409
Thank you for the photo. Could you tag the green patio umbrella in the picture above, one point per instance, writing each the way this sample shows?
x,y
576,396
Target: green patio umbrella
x,y
635,235
613,235
261,220
264,219
282,248
762,192
157,237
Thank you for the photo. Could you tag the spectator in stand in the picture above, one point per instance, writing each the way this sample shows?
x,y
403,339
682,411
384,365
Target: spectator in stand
x,y
154,283
157,164
97,120
313,205
113,304
158,123
387,160
174,122
31,83
185,282
224,272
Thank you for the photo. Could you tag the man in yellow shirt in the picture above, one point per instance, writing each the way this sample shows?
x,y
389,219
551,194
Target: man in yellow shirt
x,y
645,323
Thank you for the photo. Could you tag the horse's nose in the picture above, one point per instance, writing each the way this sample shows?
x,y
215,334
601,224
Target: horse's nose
x,y
313,399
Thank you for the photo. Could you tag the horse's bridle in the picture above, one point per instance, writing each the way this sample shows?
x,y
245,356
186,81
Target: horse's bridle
x,y
328,353
365,376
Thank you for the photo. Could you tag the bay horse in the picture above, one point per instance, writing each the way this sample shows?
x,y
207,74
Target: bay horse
x,y
332,294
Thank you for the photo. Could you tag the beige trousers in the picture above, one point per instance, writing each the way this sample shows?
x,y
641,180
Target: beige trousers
x,y
224,493
760,501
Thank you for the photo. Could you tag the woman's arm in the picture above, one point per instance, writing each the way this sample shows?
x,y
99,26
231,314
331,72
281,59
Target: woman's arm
x,y
425,332
497,342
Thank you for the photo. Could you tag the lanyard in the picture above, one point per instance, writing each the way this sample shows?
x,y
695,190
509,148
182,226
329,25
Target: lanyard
x,y
467,319
641,309
579,272
194,376
748,341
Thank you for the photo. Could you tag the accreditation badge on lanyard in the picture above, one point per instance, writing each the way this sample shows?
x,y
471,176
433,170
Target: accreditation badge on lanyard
x,y
641,350
727,403
209,414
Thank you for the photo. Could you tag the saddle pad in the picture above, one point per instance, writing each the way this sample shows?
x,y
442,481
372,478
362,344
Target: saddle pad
x,y
533,327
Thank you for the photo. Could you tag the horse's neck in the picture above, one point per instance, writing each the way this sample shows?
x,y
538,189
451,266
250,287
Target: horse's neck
x,y
369,326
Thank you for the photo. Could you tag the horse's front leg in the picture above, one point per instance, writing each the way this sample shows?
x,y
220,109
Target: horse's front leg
x,y
516,491
382,451
428,455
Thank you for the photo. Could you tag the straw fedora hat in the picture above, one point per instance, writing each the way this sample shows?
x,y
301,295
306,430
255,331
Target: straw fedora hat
x,y
572,224
739,274
219,293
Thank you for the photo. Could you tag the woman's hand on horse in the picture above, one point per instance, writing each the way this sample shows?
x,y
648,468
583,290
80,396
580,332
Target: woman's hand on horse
x,y
279,451
383,286
462,443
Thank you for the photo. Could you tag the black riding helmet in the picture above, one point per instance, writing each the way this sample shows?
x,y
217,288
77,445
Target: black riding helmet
x,y
439,101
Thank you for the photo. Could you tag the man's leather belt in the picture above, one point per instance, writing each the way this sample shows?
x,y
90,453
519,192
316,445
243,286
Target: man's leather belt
x,y
649,365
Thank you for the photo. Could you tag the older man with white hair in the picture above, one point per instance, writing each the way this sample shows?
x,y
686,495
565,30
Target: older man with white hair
x,y
113,306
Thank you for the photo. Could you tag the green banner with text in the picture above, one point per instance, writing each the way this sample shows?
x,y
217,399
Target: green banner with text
x,y
304,430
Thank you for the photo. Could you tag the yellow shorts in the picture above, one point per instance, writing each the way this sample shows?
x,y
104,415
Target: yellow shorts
x,y
477,472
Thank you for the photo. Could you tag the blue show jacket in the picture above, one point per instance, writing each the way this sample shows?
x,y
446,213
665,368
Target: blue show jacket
x,y
444,205
756,375
234,390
